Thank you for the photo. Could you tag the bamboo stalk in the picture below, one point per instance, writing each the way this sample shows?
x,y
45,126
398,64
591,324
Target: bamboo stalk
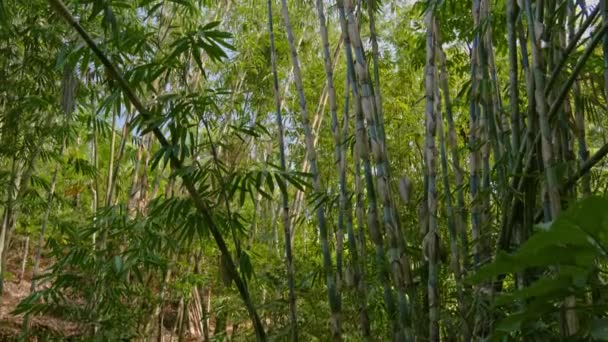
x,y
362,153
547,153
431,240
284,195
452,216
461,216
579,111
397,254
332,291
355,243
333,107
474,156
516,128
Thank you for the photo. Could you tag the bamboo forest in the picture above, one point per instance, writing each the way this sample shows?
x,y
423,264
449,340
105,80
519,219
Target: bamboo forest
x,y
304,170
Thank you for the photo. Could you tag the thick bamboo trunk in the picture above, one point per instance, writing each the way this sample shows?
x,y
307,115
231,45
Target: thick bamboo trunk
x,y
552,186
95,185
356,243
362,153
397,254
371,7
538,66
109,177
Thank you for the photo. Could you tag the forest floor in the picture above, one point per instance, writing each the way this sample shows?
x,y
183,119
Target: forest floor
x,y
14,292
45,327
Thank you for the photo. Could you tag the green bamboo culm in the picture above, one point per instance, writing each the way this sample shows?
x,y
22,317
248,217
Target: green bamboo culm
x,y
362,153
284,195
431,239
332,291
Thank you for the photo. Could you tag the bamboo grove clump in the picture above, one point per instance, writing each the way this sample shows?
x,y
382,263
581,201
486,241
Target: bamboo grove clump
x,y
364,170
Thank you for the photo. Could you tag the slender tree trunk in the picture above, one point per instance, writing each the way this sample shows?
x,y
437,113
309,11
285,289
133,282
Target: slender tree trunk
x,y
95,185
579,111
490,141
135,191
206,311
11,194
299,195
475,158
158,311
317,121
431,239
452,216
604,9
284,195
26,249
332,292
183,322
461,217
109,179
121,149
516,128
333,108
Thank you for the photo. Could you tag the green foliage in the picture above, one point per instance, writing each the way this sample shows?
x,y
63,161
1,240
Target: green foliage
x,y
125,243
569,254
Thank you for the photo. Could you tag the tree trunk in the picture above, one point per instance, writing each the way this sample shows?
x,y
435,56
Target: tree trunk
x,y
26,249
332,292
452,216
579,111
362,153
284,195
398,258
431,240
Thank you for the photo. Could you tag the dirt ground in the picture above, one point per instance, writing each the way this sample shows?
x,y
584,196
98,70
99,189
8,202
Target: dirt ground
x,y
14,292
